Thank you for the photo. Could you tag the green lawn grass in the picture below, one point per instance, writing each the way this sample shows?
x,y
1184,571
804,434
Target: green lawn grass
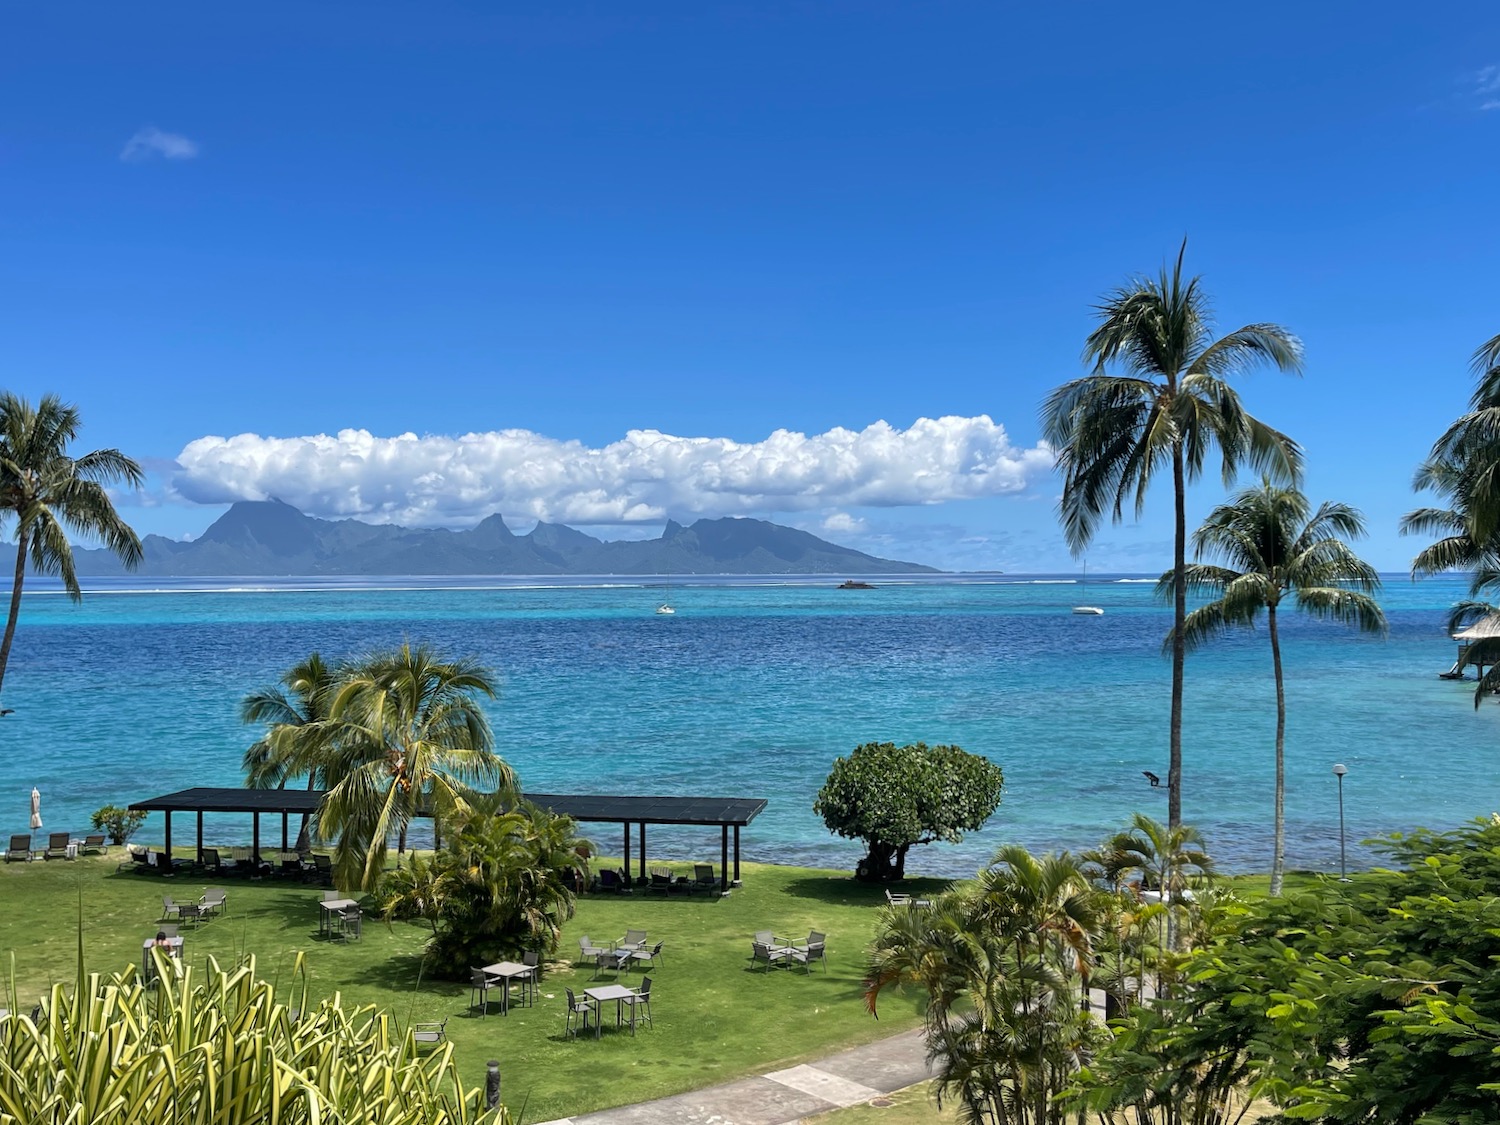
x,y
715,1019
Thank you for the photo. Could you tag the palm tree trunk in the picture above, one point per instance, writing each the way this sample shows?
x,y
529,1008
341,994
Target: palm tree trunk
x,y
1278,856
15,601
1179,642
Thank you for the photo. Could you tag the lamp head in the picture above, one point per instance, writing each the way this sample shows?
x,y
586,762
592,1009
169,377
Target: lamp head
x,y
1340,769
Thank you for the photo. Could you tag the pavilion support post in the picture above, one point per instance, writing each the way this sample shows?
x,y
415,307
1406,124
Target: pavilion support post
x,y
724,857
736,855
166,846
284,846
643,853
627,853
255,846
200,837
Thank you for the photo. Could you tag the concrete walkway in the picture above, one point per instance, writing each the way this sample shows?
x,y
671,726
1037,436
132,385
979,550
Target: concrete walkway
x,y
783,1096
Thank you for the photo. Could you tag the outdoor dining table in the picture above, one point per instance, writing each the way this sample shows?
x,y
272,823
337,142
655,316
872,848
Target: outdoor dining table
x,y
619,994
328,907
507,971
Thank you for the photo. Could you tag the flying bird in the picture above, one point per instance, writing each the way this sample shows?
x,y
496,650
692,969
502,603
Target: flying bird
x,y
7,711
1153,779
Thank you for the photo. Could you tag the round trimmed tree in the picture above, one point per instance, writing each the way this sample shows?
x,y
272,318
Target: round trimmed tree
x,y
895,797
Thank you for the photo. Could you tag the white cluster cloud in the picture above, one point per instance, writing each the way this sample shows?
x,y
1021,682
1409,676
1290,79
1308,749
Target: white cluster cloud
x,y
151,141
438,480
1487,87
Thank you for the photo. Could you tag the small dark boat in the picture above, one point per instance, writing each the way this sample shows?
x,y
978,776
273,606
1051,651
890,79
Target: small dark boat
x,y
850,584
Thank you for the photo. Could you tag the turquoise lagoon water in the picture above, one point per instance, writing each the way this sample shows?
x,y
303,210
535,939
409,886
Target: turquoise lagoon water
x,y
754,686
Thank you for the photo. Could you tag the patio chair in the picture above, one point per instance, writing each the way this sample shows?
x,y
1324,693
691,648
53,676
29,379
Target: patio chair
x,y
640,1004
650,956
139,861
703,877
430,1032
58,844
19,850
763,954
532,981
331,896
95,845
480,983
765,937
610,881
170,909
633,939
291,866
351,920
814,951
323,869
587,950
897,898
214,901
585,1007
661,881
168,931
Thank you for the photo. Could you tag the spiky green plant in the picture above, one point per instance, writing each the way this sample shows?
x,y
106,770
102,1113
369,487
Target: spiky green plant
x,y
180,1051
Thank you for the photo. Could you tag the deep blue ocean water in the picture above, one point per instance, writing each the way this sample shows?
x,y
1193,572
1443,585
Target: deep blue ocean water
x,y
754,686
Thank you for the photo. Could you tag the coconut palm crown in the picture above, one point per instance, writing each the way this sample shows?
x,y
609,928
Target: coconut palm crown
x,y
1159,400
1275,553
50,492
406,736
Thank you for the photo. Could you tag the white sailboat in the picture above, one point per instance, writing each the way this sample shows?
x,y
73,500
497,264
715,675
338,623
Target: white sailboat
x,y
1086,610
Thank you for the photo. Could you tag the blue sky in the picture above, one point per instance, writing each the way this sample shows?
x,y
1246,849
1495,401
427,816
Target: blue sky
x,y
554,226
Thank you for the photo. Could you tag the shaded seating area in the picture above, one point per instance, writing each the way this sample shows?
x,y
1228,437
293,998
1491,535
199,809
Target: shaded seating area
x,y
728,814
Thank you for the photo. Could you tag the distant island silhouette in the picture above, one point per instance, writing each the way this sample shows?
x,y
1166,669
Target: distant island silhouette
x,y
269,538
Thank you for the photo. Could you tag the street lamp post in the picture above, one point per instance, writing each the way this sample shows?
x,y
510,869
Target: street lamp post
x,y
1339,770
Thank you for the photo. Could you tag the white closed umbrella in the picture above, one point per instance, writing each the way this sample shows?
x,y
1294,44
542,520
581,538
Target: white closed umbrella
x,y
36,808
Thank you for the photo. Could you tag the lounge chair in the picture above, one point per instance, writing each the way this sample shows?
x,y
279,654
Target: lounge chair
x,y
136,859
897,898
291,866
323,869
19,850
430,1032
95,845
661,881
640,1004
650,956
703,877
585,1007
611,881
58,846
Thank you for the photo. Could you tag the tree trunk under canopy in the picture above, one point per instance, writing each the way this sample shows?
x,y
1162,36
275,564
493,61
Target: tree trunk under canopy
x,y
15,601
885,863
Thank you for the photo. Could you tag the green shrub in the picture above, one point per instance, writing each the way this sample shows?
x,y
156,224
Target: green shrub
x,y
118,1052
121,824
500,888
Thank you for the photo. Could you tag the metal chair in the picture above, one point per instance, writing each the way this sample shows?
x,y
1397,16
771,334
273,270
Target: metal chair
x,y
766,955
533,979
650,956
214,900
480,983
58,844
633,939
703,877
352,918
814,951
94,845
585,1007
765,937
429,1032
19,850
640,1004
587,950
170,909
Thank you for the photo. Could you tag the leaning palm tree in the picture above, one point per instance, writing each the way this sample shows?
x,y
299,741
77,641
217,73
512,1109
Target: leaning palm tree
x,y
406,736
1464,464
295,743
1273,554
1170,406
47,490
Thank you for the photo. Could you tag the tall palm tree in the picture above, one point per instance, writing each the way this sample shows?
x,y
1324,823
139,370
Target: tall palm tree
x,y
406,734
1170,407
294,744
1274,553
47,489
1464,464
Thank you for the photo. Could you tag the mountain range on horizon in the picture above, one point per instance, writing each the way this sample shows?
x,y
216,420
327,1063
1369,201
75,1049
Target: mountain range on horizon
x,y
267,538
